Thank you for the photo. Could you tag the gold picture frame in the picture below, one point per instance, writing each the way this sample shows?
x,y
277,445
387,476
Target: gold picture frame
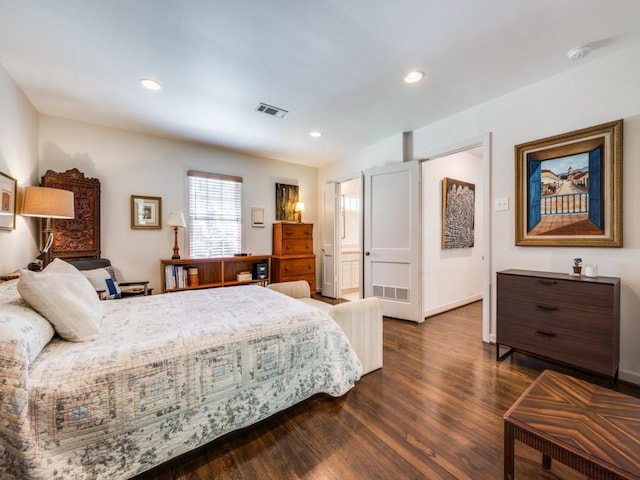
x,y
8,187
569,189
146,212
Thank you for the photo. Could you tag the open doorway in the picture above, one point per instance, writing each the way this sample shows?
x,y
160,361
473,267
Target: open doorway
x,y
478,152
350,240
342,240
452,271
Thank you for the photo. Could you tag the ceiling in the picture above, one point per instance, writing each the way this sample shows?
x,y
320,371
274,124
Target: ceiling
x,y
336,65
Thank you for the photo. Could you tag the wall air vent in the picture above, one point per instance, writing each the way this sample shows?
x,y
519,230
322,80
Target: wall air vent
x,y
400,294
271,110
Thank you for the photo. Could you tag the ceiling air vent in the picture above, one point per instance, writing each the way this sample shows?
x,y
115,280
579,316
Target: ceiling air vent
x,y
271,110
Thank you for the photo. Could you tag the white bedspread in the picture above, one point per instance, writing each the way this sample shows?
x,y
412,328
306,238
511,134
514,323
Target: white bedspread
x,y
168,373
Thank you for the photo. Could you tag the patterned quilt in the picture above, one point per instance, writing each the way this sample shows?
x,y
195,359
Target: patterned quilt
x,y
167,374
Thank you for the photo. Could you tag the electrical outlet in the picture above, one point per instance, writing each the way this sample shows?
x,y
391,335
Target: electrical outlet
x,y
501,204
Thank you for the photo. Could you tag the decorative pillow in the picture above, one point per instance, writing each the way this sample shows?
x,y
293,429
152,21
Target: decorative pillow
x,y
65,297
103,283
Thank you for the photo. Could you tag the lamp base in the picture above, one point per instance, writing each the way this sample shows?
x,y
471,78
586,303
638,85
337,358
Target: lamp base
x,y
176,249
35,266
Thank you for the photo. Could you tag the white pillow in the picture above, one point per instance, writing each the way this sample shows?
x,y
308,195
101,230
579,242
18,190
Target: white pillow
x,y
103,283
64,296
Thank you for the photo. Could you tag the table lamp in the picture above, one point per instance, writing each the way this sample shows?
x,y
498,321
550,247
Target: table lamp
x,y
45,202
299,209
176,220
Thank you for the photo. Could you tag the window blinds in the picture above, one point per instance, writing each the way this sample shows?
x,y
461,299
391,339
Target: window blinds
x,y
215,214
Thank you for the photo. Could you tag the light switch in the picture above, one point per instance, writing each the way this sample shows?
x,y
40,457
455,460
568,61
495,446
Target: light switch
x,y
501,203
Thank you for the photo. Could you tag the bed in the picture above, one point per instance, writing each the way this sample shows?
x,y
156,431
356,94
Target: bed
x,y
164,375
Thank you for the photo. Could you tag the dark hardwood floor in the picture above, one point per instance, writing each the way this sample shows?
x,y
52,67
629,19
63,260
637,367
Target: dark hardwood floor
x,y
434,411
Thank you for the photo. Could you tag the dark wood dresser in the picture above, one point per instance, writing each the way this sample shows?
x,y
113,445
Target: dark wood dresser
x,y
293,257
559,317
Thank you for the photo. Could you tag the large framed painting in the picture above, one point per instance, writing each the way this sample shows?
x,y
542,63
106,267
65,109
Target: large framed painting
x,y
569,189
458,212
7,202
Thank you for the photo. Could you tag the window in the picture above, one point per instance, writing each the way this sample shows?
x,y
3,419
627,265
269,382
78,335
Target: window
x,y
215,214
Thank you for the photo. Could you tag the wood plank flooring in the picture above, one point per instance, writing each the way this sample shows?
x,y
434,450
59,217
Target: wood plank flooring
x,y
434,411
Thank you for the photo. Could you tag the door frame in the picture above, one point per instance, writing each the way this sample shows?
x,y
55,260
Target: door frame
x,y
336,232
484,141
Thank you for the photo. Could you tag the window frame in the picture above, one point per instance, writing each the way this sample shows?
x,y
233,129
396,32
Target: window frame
x,y
190,216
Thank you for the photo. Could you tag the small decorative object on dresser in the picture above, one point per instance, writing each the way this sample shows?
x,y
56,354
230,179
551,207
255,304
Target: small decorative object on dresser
x,y
577,266
559,317
293,257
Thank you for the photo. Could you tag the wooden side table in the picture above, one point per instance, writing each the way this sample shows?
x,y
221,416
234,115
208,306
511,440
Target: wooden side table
x,y
591,429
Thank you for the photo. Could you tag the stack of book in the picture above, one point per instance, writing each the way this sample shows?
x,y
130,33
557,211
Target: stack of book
x,y
175,276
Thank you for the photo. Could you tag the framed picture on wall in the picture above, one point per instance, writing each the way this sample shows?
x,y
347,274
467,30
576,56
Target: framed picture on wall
x,y
146,212
257,217
8,187
286,199
458,214
569,189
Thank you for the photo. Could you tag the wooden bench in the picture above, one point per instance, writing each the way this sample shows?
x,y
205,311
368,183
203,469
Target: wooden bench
x,y
592,429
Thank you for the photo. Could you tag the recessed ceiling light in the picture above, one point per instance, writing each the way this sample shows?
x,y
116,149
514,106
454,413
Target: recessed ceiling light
x,y
150,84
581,51
413,77
315,134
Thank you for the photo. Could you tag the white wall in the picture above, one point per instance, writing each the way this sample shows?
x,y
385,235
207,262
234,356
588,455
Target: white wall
x,y
134,164
18,159
599,91
453,277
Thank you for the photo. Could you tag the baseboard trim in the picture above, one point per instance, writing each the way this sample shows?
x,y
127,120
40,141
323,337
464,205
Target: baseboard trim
x,y
450,306
629,376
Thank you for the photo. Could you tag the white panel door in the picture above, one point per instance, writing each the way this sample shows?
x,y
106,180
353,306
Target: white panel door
x,y
392,239
330,287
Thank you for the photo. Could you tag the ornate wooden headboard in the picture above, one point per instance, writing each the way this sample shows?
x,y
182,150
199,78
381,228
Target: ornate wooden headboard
x,y
78,238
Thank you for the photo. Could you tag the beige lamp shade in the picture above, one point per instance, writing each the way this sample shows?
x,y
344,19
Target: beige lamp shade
x,y
48,203
176,219
299,207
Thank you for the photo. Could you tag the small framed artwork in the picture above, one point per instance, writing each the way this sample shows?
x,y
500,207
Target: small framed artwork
x,y
8,187
146,212
257,217
569,189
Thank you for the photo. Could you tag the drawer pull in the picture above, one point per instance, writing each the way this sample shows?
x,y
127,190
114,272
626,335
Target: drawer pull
x,y
546,334
548,308
547,282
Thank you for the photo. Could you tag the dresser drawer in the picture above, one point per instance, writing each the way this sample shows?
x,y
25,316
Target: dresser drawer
x,y
553,292
570,321
289,269
295,266
296,230
561,344
296,246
